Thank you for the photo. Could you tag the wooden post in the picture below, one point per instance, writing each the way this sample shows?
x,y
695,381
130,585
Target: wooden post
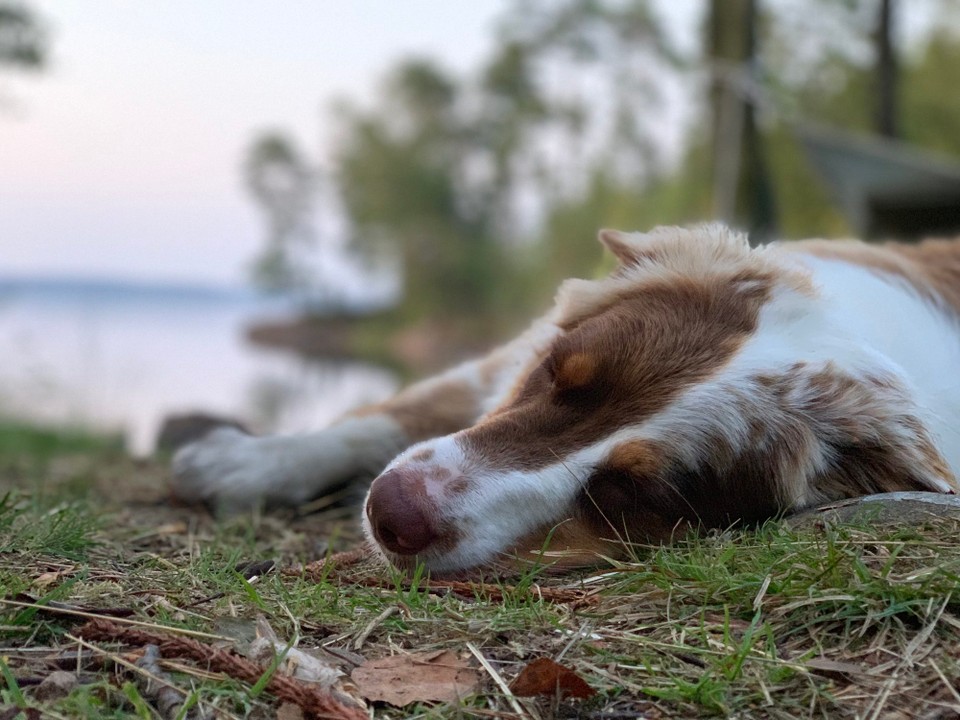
x,y
743,192
886,72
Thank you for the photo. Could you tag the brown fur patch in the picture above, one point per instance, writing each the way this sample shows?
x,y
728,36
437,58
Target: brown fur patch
x,y
457,487
438,474
575,371
931,268
640,456
423,455
646,347
425,412
569,544
659,497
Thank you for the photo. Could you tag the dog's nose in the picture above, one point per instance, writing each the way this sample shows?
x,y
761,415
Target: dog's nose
x,y
397,514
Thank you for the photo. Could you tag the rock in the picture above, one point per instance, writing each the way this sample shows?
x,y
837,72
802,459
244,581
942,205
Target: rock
x,y
898,508
56,685
180,430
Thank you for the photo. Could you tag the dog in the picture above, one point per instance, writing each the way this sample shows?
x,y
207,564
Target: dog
x,y
702,384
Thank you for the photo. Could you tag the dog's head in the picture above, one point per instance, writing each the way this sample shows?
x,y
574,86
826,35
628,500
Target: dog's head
x,y
700,385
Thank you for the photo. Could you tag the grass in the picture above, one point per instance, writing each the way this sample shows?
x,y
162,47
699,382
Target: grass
x,y
817,620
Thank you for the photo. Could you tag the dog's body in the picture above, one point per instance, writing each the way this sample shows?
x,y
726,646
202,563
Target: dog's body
x,y
701,384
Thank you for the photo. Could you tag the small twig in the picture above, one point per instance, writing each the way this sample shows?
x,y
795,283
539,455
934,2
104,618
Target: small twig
x,y
371,626
758,600
336,564
946,682
155,684
314,702
491,671
117,620
203,600
331,563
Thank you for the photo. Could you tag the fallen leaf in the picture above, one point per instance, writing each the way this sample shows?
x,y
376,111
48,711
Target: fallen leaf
x,y
543,676
438,676
47,578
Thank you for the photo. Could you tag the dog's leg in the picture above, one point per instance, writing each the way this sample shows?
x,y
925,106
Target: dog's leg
x,y
234,470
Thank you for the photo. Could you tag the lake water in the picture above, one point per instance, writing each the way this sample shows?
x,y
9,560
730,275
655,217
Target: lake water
x,y
121,357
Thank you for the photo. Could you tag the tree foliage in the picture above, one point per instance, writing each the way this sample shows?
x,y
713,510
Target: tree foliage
x,y
405,179
283,186
23,41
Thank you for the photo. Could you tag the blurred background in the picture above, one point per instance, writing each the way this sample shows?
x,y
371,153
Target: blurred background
x,y
276,212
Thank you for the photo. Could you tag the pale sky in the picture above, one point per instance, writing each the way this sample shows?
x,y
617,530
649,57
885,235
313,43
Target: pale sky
x,y
123,158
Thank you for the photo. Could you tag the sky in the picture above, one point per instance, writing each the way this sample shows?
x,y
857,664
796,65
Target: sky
x,y
123,158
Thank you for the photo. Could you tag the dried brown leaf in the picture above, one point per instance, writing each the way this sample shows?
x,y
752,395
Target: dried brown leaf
x,y
438,676
543,676
45,580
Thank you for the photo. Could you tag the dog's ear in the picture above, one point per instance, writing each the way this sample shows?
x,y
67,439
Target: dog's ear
x,y
907,460
869,435
628,248
662,242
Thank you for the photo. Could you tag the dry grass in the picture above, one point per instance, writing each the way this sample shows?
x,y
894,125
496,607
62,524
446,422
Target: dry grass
x,y
830,622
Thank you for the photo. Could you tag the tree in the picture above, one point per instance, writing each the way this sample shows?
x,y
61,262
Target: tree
x,y
930,105
592,71
405,180
283,185
23,41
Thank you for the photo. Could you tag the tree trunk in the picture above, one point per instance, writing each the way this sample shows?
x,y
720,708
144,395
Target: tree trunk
x,y
885,120
743,192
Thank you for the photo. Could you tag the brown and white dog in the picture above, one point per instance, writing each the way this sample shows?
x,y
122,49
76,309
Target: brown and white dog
x,y
701,384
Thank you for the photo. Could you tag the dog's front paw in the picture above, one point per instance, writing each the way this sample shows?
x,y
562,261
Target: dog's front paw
x,y
226,468
233,471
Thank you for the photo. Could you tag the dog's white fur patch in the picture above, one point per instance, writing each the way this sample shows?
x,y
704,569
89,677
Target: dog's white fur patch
x,y
235,471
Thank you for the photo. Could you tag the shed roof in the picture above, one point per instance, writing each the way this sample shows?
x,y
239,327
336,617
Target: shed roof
x,y
885,187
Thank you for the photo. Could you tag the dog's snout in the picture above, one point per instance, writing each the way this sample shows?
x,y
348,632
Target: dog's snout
x,y
398,514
